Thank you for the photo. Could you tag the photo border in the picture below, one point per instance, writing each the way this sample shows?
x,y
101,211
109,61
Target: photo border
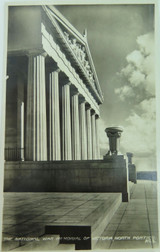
x,y
3,53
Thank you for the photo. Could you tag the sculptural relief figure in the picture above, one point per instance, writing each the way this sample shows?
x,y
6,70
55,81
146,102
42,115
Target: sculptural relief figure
x,y
66,36
80,53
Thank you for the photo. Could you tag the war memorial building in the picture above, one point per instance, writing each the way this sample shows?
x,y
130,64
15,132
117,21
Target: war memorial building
x,y
56,185
53,94
52,110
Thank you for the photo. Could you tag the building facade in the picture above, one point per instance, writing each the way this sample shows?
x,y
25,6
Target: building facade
x,y
53,94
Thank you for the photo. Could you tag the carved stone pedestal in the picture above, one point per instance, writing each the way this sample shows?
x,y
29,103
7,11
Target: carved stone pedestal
x,y
131,169
113,134
117,163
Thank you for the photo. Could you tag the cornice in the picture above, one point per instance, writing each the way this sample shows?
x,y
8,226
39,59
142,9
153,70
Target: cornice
x,y
56,15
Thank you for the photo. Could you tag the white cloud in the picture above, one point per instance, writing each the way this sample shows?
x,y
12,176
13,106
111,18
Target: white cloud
x,y
123,92
139,133
139,72
137,78
146,43
135,58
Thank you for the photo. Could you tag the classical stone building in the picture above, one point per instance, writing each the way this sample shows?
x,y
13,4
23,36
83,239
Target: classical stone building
x,y
53,94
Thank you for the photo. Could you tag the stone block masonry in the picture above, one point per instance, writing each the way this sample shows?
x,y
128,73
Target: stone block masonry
x,y
68,176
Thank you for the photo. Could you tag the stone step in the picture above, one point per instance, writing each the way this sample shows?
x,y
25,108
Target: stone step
x,y
44,243
103,216
91,225
77,218
65,247
10,245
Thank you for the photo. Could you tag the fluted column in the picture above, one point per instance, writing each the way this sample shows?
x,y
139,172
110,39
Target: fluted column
x,y
97,137
22,131
89,133
94,147
54,117
36,135
66,123
75,128
83,133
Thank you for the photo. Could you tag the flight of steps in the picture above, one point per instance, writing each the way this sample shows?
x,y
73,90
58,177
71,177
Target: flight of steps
x,y
96,222
94,215
44,243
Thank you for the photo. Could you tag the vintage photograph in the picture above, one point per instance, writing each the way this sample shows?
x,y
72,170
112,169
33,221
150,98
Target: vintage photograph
x,y
80,162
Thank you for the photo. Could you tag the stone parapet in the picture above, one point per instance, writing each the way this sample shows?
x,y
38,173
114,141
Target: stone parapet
x,y
67,176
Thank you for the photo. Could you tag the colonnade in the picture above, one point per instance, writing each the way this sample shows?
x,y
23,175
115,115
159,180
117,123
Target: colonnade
x,y
63,128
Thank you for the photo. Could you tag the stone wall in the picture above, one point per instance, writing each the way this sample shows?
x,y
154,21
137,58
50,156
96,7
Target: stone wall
x,y
67,176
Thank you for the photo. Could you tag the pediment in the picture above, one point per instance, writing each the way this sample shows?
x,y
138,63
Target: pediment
x,y
77,50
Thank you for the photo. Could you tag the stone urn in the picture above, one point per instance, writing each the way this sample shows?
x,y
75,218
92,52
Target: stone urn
x,y
113,133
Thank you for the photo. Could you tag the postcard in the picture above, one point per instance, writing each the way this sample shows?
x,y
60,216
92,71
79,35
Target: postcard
x,y
79,122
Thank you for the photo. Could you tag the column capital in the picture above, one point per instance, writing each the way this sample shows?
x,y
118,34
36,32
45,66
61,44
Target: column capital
x,y
68,83
51,68
74,91
82,99
57,70
92,112
36,52
97,116
88,106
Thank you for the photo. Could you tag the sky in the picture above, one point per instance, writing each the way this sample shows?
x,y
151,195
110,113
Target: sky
x,y
121,41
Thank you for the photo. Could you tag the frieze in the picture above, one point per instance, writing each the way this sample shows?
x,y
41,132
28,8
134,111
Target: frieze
x,y
80,53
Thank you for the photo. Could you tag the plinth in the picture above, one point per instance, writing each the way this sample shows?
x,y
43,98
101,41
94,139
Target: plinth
x,y
131,168
117,163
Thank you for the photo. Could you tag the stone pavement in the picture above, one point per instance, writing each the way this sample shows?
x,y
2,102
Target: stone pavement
x,y
135,224
27,214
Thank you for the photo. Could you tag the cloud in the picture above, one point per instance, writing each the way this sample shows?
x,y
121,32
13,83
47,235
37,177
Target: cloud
x,y
138,87
123,92
137,78
146,43
138,75
135,58
139,136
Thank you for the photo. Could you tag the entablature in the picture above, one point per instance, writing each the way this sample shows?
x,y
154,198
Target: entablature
x,y
76,50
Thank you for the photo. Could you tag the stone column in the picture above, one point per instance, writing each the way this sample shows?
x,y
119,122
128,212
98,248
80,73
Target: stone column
x,y
83,133
54,117
66,123
113,134
36,135
22,131
94,144
97,137
89,133
76,150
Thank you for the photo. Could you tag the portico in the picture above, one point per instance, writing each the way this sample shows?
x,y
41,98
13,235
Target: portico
x,y
57,95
